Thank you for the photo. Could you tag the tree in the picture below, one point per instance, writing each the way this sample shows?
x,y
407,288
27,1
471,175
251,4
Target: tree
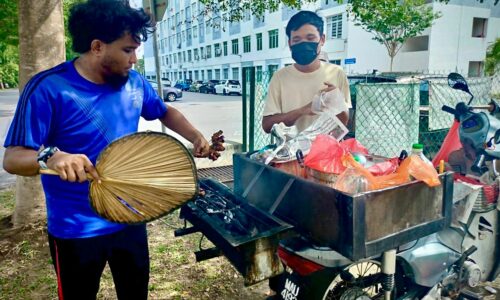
x,y
67,4
392,22
9,58
41,46
493,57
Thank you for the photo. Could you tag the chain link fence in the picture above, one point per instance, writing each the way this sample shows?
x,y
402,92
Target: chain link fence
x,y
388,117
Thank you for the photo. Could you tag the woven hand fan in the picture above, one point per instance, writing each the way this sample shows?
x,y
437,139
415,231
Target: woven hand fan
x,y
144,176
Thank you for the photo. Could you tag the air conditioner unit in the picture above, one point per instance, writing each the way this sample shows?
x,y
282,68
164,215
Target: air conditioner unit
x,y
196,57
179,46
218,52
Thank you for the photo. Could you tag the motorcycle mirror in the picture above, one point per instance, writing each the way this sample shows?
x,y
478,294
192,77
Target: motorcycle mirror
x,y
458,82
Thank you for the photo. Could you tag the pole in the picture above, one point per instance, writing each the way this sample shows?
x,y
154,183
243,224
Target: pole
x,y
152,4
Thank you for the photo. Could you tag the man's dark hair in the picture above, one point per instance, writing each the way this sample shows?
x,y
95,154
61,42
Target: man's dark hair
x,y
304,17
107,20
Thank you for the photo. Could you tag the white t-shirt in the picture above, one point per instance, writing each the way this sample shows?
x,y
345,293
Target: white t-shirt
x,y
291,89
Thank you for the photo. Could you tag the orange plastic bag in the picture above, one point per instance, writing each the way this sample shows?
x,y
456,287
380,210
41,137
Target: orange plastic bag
x,y
412,166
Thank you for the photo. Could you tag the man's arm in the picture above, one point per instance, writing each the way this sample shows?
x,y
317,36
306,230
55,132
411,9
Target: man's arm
x,y
176,121
71,167
288,118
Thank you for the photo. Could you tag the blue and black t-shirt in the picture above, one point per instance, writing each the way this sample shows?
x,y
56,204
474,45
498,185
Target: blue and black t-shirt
x,y
59,107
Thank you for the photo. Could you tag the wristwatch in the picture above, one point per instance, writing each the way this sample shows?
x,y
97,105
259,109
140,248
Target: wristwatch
x,y
44,155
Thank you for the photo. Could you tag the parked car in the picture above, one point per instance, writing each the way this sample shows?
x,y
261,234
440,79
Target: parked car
x,y
166,82
195,86
228,87
183,85
208,87
169,93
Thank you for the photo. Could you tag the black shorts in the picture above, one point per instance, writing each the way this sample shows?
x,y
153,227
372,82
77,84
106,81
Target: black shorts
x,y
79,263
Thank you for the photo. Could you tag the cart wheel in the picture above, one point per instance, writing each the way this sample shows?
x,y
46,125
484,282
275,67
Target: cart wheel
x,y
358,281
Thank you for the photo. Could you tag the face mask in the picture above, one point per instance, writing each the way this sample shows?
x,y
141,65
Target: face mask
x,y
304,53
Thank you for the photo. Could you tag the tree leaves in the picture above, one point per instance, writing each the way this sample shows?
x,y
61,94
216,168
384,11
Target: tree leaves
x,y
392,22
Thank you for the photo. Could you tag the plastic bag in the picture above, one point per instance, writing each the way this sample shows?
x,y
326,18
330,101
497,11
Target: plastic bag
x,y
385,168
325,155
420,170
332,102
353,146
451,143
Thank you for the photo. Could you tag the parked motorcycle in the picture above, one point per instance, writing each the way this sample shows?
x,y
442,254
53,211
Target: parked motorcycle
x,y
444,265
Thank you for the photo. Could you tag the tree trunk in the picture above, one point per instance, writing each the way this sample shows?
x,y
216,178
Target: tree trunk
x,y
392,60
41,46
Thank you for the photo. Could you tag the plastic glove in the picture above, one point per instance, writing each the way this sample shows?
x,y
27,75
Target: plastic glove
x,y
332,101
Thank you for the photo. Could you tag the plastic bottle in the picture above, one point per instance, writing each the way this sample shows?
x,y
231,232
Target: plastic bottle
x,y
418,149
352,181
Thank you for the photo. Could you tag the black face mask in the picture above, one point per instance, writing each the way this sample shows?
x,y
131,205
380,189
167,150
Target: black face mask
x,y
305,53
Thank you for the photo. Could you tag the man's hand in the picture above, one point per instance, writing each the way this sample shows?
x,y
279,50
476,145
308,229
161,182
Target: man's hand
x,y
72,167
201,147
329,87
306,110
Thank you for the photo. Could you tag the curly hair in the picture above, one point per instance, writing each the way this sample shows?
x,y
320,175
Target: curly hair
x,y
107,20
304,17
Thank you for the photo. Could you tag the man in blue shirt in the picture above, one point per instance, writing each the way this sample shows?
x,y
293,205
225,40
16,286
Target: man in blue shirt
x,y
73,111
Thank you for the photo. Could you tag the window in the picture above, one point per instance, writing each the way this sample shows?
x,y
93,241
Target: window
x,y
209,74
209,51
202,53
259,41
184,56
217,74
236,73
195,54
258,73
217,50
479,27
247,16
246,44
207,25
271,69
189,55
417,43
196,75
235,46
195,32
226,73
224,45
476,68
334,27
273,39
202,74
335,62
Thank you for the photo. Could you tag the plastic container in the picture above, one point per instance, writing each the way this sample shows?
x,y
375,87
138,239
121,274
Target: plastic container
x,y
418,149
352,181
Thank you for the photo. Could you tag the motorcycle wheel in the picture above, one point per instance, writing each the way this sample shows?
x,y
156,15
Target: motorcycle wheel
x,y
358,281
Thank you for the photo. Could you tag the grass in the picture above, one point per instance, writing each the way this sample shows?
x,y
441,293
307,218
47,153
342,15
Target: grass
x,y
26,271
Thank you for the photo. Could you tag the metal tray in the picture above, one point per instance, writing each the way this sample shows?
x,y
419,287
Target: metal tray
x,y
357,226
253,250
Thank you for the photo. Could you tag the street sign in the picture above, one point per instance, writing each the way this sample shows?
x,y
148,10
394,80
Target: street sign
x,y
350,61
160,8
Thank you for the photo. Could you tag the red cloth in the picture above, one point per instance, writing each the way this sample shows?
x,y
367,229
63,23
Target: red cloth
x,y
490,190
451,143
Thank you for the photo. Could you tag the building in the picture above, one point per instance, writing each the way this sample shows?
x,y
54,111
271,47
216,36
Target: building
x,y
192,46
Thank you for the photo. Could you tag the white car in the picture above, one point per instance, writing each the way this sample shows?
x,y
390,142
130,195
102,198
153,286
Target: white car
x,y
227,87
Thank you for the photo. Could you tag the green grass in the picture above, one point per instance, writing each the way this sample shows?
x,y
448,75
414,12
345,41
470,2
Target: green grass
x,y
7,202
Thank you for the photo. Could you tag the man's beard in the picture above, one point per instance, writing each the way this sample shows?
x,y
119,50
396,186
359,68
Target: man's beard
x,y
117,81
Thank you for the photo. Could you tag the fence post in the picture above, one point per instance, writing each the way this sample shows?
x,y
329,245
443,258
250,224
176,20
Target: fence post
x,y
244,108
251,144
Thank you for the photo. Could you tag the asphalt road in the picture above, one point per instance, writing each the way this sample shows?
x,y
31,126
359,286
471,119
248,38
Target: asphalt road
x,y
208,113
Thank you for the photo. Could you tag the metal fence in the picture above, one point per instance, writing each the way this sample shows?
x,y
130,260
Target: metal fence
x,y
388,117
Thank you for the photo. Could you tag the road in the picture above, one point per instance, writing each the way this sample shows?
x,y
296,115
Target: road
x,y
208,113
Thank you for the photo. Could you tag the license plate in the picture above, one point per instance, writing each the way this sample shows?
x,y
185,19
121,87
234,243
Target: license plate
x,y
234,87
290,290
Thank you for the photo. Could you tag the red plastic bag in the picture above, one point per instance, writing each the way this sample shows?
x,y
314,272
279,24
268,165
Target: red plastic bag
x,y
325,155
353,146
451,143
385,168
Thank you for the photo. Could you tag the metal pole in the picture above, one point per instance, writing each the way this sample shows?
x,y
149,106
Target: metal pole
x,y
244,112
388,271
252,110
152,4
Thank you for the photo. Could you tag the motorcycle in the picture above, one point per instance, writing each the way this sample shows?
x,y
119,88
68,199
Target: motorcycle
x,y
443,265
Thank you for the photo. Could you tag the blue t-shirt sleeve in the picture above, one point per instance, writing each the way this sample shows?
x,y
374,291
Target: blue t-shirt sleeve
x,y
32,120
152,107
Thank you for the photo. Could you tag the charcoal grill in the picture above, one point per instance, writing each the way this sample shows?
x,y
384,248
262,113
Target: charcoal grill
x,y
246,235
357,226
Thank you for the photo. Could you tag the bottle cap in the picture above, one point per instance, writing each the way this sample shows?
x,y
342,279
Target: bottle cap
x,y
417,146
356,158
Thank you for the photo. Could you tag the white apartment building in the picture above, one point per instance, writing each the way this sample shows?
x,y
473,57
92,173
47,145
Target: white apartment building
x,y
190,47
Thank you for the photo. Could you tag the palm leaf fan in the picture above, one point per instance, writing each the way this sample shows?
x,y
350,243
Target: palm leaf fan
x,y
144,176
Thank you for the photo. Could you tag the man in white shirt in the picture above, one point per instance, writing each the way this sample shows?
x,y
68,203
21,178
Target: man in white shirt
x,y
293,88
